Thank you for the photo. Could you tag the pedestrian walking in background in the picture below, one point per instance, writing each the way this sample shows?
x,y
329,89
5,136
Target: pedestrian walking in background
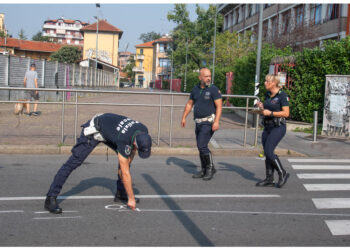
x,y
207,102
31,81
275,110
120,133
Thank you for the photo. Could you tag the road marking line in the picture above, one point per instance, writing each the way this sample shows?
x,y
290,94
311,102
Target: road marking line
x,y
339,227
47,212
325,203
12,211
214,143
327,187
324,176
148,196
321,167
235,212
54,218
320,160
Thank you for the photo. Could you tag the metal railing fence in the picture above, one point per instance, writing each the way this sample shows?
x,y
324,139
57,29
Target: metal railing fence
x,y
160,106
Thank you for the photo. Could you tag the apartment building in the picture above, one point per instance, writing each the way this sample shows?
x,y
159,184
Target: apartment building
x,y
161,69
143,64
2,23
297,25
124,57
64,31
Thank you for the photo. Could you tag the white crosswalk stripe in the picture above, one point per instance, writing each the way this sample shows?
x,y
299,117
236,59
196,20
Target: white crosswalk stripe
x,y
325,184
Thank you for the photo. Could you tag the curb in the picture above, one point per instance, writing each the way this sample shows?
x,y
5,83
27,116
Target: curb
x,y
166,151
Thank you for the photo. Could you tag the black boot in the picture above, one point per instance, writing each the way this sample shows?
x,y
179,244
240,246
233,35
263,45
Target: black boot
x,y
210,169
123,197
203,168
269,175
51,205
282,173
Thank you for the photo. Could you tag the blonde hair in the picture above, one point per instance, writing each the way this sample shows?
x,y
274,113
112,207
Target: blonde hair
x,y
273,78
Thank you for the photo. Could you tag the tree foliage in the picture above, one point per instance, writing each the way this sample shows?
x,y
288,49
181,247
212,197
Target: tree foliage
x,y
67,54
39,37
22,35
128,68
149,36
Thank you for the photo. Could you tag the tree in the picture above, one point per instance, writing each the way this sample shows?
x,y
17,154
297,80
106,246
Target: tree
x,y
67,54
21,35
39,37
149,36
128,68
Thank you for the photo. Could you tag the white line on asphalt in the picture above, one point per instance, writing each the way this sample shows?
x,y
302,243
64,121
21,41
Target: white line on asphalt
x,y
339,227
320,160
214,143
12,211
234,212
325,203
47,212
54,218
324,176
327,187
165,196
321,167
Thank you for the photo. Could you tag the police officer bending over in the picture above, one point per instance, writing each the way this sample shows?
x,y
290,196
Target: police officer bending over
x,y
120,133
275,111
207,102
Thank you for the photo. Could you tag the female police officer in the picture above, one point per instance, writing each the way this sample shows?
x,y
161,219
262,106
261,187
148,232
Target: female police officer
x,y
275,111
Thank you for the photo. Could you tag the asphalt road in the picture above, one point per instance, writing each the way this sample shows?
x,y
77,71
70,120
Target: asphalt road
x,y
230,212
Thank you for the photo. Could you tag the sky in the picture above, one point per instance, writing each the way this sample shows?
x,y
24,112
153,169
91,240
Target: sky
x,y
133,19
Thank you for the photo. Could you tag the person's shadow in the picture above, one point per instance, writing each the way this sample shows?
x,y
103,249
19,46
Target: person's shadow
x,y
187,166
94,182
239,170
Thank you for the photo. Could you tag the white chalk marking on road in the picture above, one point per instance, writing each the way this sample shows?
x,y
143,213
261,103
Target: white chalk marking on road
x,y
327,187
320,160
47,212
214,143
321,167
324,176
12,211
339,227
165,196
325,203
235,212
54,218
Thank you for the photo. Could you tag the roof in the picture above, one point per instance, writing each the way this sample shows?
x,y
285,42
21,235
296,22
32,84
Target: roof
x,y
65,21
148,44
30,45
163,39
103,25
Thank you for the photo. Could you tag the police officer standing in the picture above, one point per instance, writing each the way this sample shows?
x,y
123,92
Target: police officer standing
x,y
120,133
275,110
207,102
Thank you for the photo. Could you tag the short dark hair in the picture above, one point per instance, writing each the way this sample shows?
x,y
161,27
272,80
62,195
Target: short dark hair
x,y
33,65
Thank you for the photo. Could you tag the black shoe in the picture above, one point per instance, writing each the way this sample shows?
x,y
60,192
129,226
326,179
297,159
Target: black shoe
x,y
201,174
282,180
28,114
52,206
265,183
121,196
35,113
210,169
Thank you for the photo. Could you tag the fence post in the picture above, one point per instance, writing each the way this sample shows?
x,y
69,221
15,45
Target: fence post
x,y
315,126
245,124
159,116
76,117
62,118
256,130
171,119
43,74
73,75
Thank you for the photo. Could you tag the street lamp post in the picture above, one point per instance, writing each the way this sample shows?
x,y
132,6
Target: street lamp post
x,y
96,17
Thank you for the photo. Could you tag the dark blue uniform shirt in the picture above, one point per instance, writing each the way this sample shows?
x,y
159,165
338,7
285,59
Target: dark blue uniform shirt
x,y
119,132
276,103
204,99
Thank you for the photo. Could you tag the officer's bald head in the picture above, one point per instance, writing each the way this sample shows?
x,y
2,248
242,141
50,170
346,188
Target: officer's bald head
x,y
205,76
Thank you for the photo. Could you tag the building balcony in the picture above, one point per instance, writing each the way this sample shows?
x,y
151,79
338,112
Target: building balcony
x,y
140,57
137,69
50,26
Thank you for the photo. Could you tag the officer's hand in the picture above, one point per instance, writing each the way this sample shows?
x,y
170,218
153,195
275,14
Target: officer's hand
x,y
215,126
266,112
260,105
132,204
183,123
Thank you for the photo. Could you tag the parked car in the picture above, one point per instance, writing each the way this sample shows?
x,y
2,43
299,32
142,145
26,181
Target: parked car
x,y
124,84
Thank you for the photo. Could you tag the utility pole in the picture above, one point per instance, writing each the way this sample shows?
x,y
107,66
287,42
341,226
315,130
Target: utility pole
x,y
186,66
213,73
96,17
258,56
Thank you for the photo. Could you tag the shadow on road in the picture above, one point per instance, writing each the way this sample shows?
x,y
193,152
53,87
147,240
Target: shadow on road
x,y
192,228
239,170
187,166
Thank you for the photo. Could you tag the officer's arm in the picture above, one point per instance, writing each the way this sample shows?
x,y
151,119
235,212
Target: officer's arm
x,y
187,110
284,113
25,81
218,104
126,178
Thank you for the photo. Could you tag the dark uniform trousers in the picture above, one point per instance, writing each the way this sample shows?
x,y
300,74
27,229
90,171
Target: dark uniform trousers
x,y
271,136
85,145
204,133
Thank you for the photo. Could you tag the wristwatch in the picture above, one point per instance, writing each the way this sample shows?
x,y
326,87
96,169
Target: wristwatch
x,y
271,115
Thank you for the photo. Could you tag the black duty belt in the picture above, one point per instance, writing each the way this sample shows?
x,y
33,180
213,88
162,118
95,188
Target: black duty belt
x,y
276,121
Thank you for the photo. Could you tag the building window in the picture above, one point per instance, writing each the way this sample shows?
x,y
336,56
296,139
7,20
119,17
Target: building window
x,y
76,42
265,29
68,41
162,47
141,64
243,12
274,28
141,51
286,22
51,31
315,13
333,11
299,15
226,22
267,5
164,62
250,10
237,15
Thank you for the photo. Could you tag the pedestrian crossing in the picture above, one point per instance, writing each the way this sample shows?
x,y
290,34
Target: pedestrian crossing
x,y
331,175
